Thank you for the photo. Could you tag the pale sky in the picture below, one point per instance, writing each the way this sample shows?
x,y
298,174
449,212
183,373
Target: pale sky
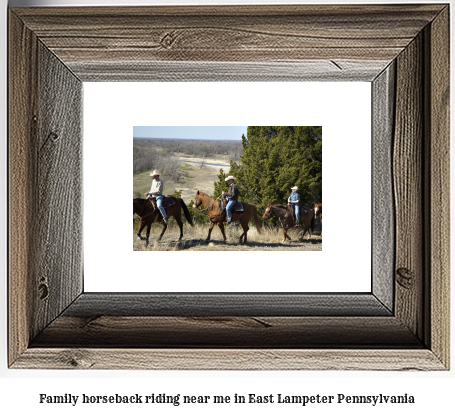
x,y
200,133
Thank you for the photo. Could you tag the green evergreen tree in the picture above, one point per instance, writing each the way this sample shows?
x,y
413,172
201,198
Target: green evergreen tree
x,y
177,194
198,215
273,160
221,185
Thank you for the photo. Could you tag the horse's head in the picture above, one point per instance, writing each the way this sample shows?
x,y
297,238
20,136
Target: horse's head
x,y
197,199
138,205
268,211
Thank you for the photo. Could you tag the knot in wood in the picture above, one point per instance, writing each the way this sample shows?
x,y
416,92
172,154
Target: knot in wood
x,y
43,290
53,136
76,359
405,278
168,40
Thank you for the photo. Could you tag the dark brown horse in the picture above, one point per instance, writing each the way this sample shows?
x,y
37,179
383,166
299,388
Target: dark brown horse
x,y
286,217
318,212
216,215
147,215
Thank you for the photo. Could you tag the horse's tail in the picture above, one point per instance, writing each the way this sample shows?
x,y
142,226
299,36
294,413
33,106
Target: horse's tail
x,y
256,219
186,212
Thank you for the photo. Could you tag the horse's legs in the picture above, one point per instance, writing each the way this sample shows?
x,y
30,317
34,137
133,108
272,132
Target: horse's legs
x,y
243,235
210,230
221,225
285,235
149,225
286,227
162,232
179,221
141,226
305,229
308,228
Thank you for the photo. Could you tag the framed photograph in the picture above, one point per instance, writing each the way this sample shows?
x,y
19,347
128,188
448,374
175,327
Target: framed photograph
x,y
402,323
213,176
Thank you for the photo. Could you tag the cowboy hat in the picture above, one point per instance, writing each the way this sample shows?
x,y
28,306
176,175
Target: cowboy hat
x,y
229,178
155,173
294,188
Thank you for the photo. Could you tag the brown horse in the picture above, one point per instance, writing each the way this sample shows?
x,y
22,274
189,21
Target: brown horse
x,y
147,215
318,212
286,217
216,215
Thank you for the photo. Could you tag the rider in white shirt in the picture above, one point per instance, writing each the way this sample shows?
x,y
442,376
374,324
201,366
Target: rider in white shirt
x,y
156,191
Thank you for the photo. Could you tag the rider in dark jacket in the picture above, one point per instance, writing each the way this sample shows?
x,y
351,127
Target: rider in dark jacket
x,y
232,195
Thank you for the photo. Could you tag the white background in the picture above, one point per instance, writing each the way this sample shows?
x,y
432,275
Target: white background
x,y
19,389
112,109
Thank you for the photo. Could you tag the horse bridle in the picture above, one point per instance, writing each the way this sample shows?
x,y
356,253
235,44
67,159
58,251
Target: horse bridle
x,y
196,199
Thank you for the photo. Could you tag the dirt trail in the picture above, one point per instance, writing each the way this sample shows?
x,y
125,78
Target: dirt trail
x,y
211,163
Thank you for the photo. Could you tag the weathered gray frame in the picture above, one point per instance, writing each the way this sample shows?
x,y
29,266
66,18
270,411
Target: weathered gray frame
x,y
403,50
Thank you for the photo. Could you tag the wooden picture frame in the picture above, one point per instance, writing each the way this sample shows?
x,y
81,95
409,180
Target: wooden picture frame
x,y
403,324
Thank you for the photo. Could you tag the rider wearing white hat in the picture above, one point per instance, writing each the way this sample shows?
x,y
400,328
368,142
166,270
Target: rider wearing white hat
x,y
232,195
156,191
294,201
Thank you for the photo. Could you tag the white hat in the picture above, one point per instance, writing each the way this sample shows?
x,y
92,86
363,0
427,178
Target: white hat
x,y
155,173
229,178
294,188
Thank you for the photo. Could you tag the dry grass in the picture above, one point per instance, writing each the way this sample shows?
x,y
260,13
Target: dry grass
x,y
197,178
194,239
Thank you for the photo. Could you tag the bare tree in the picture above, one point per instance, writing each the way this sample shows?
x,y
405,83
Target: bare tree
x,y
157,153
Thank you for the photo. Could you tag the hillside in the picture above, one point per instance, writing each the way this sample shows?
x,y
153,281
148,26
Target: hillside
x,y
193,177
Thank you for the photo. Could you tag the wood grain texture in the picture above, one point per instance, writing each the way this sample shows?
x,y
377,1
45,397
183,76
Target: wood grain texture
x,y
437,147
408,188
89,305
309,71
45,187
53,49
383,215
235,359
22,133
58,190
275,34
255,332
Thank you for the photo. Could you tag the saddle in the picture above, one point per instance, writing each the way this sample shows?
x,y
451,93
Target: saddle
x,y
303,211
236,207
167,201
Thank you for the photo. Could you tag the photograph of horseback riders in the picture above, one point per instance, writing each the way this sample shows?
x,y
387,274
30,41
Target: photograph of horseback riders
x,y
227,188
